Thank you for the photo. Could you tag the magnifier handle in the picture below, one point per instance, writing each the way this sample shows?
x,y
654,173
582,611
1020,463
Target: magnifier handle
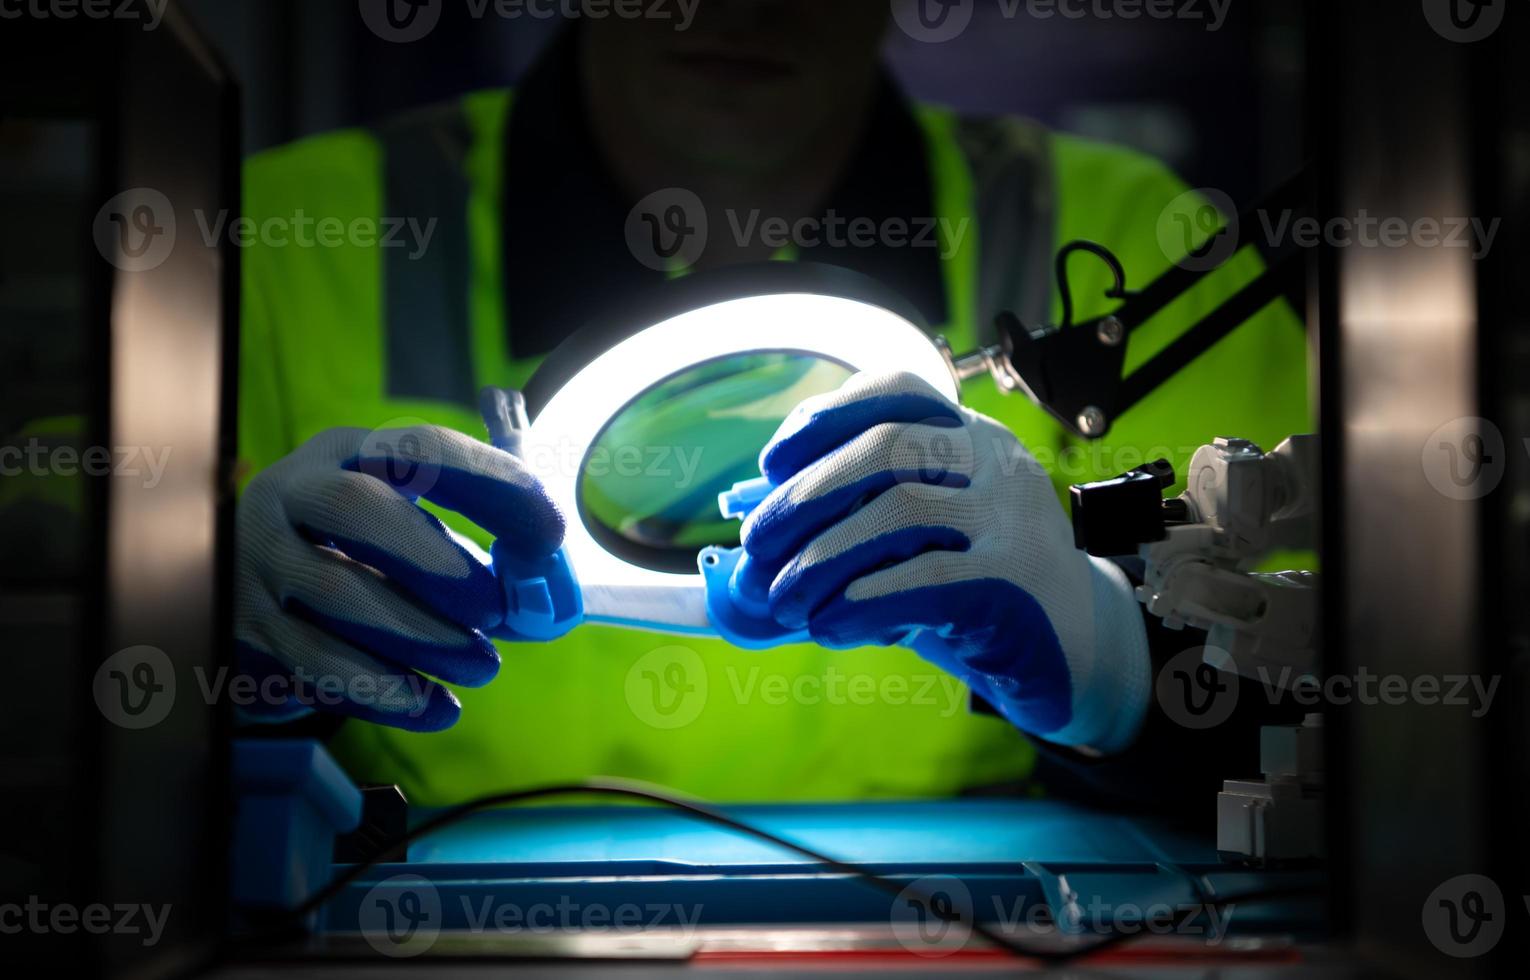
x,y
739,612
737,615
542,597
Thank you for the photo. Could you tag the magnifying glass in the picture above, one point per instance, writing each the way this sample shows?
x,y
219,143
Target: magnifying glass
x,y
729,353
642,426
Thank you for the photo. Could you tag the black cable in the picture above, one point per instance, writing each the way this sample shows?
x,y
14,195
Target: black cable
x,y
638,791
1065,292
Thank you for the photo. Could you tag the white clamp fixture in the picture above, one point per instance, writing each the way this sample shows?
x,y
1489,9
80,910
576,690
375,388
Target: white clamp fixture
x,y
1239,505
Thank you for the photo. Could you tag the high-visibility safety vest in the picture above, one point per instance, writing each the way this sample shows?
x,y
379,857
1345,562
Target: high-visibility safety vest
x,y
326,328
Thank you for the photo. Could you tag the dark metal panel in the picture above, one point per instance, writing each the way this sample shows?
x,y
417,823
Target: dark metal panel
x,y
163,788
1405,531
114,770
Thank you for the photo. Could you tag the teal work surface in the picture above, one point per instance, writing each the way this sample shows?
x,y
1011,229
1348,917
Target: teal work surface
x,y
1006,861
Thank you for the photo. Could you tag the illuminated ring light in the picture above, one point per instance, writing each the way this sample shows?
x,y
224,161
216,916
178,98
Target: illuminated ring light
x,y
823,311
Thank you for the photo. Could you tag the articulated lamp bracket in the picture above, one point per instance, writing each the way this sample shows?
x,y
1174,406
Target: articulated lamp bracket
x,y
1074,371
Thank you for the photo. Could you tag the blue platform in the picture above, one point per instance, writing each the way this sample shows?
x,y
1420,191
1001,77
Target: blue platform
x,y
1014,858
1009,862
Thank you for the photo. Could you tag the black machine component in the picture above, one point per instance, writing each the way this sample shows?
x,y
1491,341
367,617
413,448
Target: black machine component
x,y
1112,517
1073,371
384,819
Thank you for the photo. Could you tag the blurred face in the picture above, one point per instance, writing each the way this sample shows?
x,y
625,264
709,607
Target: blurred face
x,y
747,84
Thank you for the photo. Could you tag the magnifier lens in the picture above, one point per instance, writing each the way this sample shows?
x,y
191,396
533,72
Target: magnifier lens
x,y
649,484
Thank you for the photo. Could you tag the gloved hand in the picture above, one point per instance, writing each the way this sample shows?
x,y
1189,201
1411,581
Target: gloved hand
x,y
344,583
900,518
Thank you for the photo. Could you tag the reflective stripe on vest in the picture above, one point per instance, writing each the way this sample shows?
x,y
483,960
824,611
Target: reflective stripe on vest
x,y
1011,165
427,331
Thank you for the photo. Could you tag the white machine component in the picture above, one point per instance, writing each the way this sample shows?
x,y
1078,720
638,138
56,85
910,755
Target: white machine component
x,y
1239,505
1199,549
1277,819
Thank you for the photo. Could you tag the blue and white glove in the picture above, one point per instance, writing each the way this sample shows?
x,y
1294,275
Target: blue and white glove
x,y
900,518
346,590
